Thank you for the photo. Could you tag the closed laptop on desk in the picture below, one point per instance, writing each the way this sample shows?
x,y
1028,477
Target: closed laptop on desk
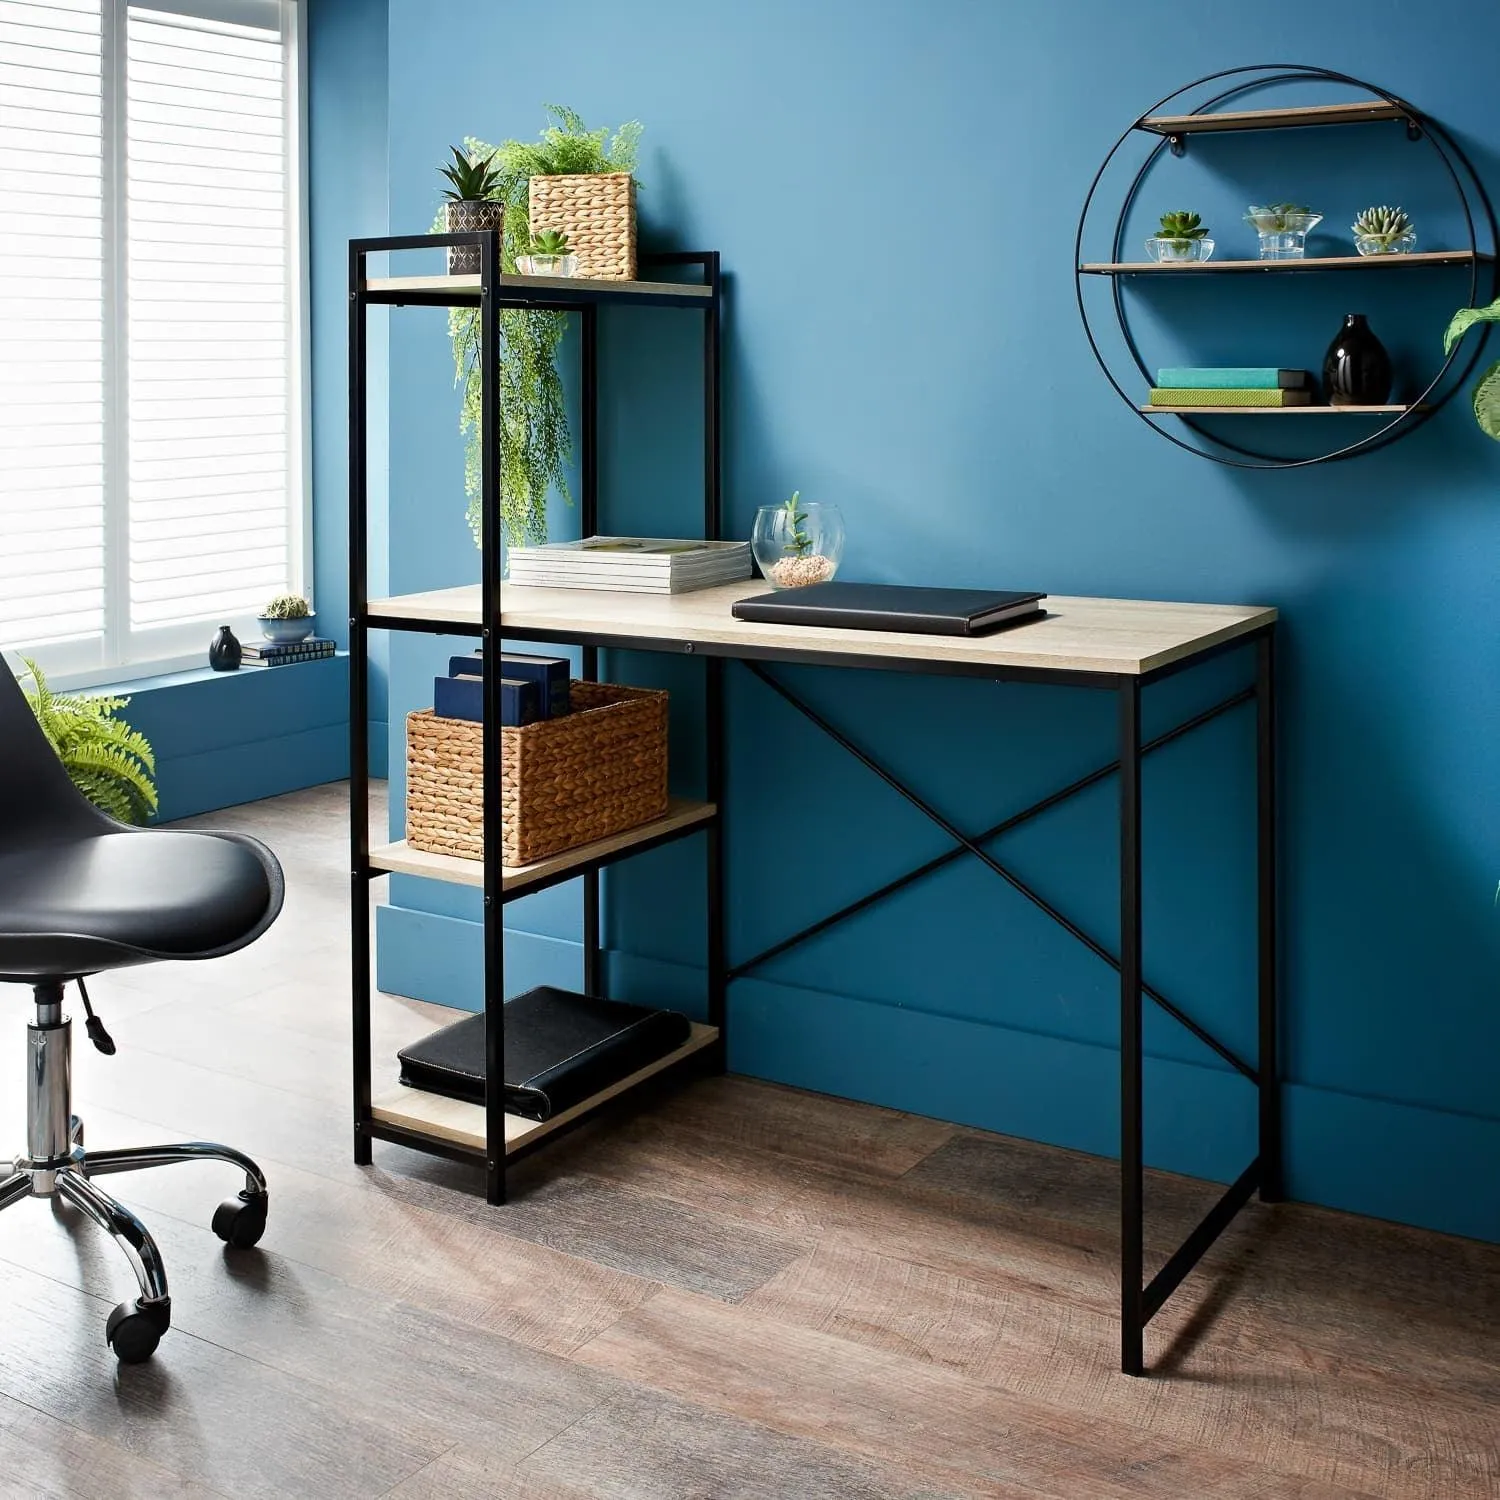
x,y
891,606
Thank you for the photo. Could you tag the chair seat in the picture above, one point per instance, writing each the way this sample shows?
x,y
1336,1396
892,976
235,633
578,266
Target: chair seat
x,y
122,897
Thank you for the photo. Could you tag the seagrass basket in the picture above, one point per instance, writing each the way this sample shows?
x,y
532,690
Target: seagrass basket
x,y
596,210
592,773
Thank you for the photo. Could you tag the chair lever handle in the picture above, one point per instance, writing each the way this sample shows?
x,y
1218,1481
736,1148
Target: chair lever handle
x,y
94,1026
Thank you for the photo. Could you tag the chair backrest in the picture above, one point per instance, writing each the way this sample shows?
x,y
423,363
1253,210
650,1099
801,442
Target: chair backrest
x,y
37,796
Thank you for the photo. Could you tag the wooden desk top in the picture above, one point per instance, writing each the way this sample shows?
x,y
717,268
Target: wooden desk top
x,y
1129,636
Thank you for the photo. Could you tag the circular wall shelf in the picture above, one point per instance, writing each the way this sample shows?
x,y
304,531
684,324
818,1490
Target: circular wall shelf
x,y
1172,132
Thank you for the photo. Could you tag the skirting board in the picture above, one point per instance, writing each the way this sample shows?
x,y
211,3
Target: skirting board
x,y
1377,1157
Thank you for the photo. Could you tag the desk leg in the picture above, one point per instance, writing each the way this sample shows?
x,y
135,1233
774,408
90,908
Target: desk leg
x,y
1132,1176
718,960
1271,1187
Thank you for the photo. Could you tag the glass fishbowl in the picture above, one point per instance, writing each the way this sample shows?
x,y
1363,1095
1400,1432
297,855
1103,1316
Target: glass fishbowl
x,y
798,542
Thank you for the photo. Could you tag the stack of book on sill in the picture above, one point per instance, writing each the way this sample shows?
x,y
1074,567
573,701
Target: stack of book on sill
x,y
1240,386
634,564
283,653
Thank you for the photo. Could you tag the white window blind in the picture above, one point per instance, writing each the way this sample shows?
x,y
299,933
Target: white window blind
x,y
150,433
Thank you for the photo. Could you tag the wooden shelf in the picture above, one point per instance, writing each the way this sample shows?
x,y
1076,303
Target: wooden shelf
x,y
459,291
1312,263
1358,113
1277,411
458,1123
682,817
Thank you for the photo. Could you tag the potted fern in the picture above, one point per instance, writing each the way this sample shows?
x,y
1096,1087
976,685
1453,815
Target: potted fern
x,y
535,444
108,761
1486,398
470,203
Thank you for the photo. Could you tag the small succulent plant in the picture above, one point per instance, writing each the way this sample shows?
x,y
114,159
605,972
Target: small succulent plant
x,y
1182,226
471,179
549,242
1384,225
287,607
800,544
1276,218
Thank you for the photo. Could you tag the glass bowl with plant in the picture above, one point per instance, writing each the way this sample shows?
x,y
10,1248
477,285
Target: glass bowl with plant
x,y
549,256
798,542
471,202
107,760
1384,231
286,618
1182,239
1283,229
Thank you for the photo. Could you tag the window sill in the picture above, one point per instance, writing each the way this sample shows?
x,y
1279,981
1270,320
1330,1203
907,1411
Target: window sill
x,y
129,686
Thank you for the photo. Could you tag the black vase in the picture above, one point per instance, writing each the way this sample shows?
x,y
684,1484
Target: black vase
x,y
224,651
1356,369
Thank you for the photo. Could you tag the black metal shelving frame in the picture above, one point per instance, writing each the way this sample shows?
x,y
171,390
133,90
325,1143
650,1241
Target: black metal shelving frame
x,y
489,293
1140,1298
1482,262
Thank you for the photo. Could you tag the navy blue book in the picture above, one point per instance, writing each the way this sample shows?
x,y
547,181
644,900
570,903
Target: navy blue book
x,y
463,698
551,674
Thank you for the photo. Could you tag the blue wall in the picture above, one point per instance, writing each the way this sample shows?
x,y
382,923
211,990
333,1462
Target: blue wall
x,y
956,416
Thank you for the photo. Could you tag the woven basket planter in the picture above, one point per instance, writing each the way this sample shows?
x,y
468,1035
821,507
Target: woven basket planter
x,y
596,211
462,217
564,782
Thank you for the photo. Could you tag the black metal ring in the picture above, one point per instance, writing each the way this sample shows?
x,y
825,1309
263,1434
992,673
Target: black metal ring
x,y
1265,75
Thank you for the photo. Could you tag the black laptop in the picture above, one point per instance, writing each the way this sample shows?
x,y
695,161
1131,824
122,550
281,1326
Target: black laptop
x,y
892,606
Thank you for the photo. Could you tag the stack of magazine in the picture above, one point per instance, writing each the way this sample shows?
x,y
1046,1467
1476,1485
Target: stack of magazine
x,y
640,565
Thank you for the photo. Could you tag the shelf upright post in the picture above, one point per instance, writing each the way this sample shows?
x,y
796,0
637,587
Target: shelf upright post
x,y
1132,1168
714,719
589,507
359,718
490,569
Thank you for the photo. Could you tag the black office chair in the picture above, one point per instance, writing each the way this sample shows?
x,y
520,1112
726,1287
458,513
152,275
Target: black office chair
x,y
80,893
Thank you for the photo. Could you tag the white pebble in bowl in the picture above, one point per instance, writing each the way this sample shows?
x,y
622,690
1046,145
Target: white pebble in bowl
x,y
797,572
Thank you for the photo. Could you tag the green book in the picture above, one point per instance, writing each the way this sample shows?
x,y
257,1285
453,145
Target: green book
x,y
1233,377
1195,396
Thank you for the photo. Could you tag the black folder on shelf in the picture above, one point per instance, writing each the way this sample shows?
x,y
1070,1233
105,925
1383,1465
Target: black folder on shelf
x,y
561,1048
892,606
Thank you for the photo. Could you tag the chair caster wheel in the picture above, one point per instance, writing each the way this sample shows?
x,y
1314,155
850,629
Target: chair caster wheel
x,y
241,1221
134,1330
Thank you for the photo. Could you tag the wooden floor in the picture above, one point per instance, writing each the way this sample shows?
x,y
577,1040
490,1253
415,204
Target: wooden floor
x,y
746,1292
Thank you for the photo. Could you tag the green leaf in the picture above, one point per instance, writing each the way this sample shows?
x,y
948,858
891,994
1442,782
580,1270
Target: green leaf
x,y
1465,318
1487,402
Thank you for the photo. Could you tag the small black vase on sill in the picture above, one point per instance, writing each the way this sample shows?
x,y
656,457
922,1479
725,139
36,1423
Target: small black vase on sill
x,y
224,651
1356,369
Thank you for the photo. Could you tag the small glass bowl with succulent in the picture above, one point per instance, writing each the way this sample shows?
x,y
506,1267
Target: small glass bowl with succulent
x,y
1283,229
1384,231
549,256
798,542
287,618
1182,239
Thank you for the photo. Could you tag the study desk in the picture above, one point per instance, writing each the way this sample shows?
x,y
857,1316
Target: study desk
x,y
1114,645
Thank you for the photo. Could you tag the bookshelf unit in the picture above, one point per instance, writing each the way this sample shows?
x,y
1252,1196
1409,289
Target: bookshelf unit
x,y
386,1110
1171,132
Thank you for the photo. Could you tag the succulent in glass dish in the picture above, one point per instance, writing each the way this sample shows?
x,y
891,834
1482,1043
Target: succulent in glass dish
x,y
549,256
1283,229
1384,231
1182,239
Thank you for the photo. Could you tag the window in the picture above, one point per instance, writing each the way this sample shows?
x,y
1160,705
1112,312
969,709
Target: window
x,y
151,464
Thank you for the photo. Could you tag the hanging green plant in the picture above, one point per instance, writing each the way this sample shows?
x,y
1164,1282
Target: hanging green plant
x,y
1486,398
108,761
535,444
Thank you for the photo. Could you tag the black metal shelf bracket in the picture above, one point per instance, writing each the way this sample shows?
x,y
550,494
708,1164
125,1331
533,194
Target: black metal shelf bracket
x,y
1474,204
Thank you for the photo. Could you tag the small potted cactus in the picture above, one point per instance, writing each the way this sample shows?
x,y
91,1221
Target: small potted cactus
x,y
1283,229
471,201
1182,238
550,256
1384,231
287,618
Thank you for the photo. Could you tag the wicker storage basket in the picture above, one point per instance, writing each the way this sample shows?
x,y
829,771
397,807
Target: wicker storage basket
x,y
593,772
597,213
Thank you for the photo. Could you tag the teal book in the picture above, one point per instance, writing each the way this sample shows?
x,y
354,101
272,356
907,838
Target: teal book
x,y
1249,378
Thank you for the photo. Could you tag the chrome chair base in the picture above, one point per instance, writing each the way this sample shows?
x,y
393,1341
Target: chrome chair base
x,y
57,1165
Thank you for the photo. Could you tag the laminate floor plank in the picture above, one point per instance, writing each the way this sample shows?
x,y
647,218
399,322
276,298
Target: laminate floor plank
x,y
889,1407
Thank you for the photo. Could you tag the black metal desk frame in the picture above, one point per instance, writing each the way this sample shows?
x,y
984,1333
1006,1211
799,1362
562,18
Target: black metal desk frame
x,y
1140,1299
